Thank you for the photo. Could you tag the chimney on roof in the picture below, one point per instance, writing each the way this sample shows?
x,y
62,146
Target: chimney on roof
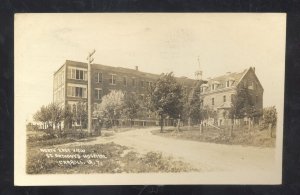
x,y
136,68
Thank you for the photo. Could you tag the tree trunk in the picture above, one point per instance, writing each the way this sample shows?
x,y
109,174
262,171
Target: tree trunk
x,y
59,127
178,125
80,124
231,128
200,127
189,121
161,124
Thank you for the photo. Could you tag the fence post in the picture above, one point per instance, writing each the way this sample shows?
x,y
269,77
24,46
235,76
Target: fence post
x,y
270,129
200,127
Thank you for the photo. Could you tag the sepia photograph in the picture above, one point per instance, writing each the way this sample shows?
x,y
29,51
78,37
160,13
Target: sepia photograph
x,y
148,98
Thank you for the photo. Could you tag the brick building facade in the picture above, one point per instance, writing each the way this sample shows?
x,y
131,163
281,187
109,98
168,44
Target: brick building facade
x,y
70,84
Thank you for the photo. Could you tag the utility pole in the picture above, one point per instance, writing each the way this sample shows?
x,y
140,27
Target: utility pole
x,y
90,59
199,78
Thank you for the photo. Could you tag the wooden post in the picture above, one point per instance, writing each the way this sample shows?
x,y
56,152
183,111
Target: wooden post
x,y
200,127
270,129
90,60
249,123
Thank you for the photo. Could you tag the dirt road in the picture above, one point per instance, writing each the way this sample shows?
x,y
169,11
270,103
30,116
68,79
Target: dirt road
x,y
203,156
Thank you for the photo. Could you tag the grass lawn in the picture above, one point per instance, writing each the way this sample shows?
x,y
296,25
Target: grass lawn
x,y
240,136
47,156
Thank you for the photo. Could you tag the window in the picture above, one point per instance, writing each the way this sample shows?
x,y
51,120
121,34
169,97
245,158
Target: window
x,y
77,74
213,87
63,76
231,97
112,80
59,79
227,83
256,99
224,98
98,77
76,92
213,101
73,73
125,81
69,91
142,83
98,94
133,81
63,92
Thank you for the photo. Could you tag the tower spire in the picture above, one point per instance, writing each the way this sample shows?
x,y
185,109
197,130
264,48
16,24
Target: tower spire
x,y
198,73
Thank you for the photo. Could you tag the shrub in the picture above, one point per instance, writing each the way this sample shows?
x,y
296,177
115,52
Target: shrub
x,y
270,116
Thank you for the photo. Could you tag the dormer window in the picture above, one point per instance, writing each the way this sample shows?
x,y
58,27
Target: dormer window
x,y
214,85
227,83
203,87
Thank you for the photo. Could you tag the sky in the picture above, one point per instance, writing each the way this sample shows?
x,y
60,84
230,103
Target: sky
x,y
155,43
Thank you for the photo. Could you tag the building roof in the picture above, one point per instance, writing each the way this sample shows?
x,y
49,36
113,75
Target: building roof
x,y
235,77
138,73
